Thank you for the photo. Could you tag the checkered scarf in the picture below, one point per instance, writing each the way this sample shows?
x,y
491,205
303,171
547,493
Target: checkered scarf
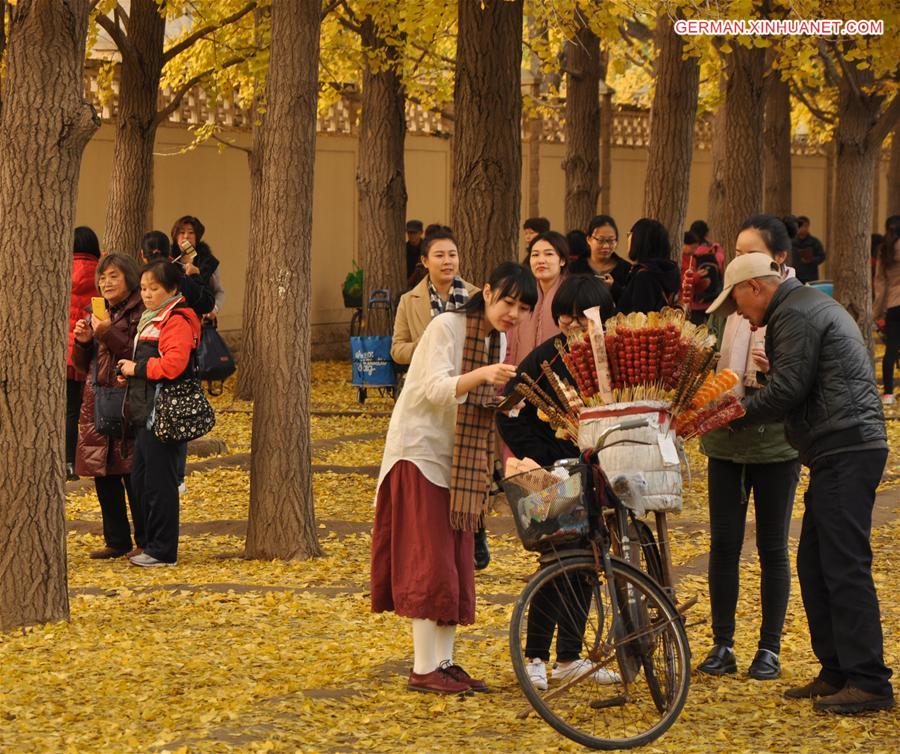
x,y
473,442
458,296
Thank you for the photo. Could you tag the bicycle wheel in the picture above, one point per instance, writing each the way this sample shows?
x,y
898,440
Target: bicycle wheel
x,y
604,705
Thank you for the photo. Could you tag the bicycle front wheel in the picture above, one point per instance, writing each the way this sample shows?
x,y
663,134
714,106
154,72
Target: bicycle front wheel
x,y
602,703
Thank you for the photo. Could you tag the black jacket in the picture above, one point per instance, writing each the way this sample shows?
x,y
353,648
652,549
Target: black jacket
x,y
822,382
619,273
651,286
807,254
525,434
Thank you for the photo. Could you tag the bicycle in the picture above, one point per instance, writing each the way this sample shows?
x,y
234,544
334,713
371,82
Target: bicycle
x,y
635,670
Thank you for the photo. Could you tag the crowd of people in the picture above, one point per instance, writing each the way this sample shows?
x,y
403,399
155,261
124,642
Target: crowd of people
x,y
132,330
806,382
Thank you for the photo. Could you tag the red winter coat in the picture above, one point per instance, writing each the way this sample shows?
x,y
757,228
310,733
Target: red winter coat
x,y
83,289
100,455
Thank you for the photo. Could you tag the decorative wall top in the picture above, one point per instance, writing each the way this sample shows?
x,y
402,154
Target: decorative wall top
x,y
631,127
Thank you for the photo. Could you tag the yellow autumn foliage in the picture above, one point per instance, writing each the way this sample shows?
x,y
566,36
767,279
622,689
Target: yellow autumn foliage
x,y
221,654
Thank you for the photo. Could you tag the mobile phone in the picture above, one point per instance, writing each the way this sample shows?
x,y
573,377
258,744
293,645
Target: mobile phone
x,y
98,307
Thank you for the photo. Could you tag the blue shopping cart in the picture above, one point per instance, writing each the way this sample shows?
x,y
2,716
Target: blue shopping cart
x,y
371,348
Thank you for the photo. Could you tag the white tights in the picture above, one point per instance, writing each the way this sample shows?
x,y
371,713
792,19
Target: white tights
x,y
432,645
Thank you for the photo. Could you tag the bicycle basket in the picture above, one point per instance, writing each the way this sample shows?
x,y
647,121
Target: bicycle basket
x,y
549,505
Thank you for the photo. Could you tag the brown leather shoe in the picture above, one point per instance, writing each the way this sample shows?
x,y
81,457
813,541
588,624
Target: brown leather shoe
x,y
105,553
436,682
135,551
458,674
851,701
811,690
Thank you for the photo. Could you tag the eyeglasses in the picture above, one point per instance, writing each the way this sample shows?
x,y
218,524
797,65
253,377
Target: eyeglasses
x,y
605,240
567,319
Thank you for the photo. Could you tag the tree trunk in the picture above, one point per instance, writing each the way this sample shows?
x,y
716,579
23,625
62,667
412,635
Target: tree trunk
x,y
582,126
893,177
129,208
672,119
487,148
282,521
247,366
606,131
857,140
744,121
829,200
535,125
381,184
777,139
44,127
715,209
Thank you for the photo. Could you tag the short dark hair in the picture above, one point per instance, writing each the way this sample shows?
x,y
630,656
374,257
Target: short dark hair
x,y
194,222
892,222
122,262
772,230
164,272
579,292
434,228
802,220
649,240
690,239
556,240
155,244
700,229
578,245
537,224
509,279
86,241
441,234
414,226
598,221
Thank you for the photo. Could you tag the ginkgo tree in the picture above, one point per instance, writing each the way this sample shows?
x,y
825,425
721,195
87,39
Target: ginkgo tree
x,y
857,81
45,124
139,34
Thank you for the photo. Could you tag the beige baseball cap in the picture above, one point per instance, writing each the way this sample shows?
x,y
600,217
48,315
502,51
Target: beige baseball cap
x,y
741,269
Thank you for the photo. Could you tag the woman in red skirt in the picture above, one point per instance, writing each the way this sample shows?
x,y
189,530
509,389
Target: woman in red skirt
x,y
435,475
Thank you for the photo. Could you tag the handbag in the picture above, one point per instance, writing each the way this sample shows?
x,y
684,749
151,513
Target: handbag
x,y
109,408
214,358
181,411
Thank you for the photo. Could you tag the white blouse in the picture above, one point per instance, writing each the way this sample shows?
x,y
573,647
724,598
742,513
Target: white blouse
x,y
423,423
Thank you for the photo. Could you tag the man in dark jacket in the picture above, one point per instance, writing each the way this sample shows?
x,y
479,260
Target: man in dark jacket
x,y
822,384
808,252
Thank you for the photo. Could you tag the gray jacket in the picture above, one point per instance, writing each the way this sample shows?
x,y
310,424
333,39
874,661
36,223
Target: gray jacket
x,y
822,382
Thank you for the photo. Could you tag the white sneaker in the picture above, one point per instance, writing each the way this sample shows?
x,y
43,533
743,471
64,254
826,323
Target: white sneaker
x,y
578,667
888,399
182,488
148,561
537,673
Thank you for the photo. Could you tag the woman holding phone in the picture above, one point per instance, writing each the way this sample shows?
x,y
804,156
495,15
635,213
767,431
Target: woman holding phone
x,y
435,475
100,342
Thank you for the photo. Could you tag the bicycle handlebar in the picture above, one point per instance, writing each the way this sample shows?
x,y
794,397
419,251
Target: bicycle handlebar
x,y
620,427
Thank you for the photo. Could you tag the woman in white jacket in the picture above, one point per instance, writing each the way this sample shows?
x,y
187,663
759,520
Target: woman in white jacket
x,y
435,475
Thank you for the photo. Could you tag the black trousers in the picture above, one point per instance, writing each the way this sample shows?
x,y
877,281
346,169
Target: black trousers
x,y
73,409
564,602
773,486
834,563
891,347
111,492
154,481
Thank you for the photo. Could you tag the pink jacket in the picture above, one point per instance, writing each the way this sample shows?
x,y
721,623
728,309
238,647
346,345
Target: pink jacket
x,y
531,332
